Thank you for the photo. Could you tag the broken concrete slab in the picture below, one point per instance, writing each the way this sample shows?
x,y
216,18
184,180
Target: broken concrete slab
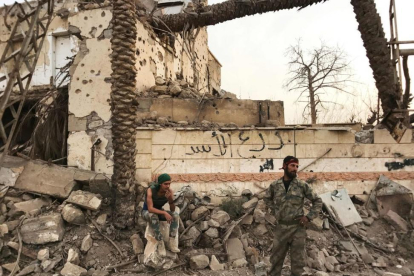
x,y
85,200
342,203
72,270
46,179
395,220
43,229
9,176
30,205
73,214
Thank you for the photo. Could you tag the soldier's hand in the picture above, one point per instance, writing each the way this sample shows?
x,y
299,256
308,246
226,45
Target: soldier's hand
x,y
168,217
304,221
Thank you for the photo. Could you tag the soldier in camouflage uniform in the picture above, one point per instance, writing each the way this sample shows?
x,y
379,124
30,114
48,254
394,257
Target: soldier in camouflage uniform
x,y
285,197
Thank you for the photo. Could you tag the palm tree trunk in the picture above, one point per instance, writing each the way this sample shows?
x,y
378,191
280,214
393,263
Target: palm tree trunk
x,y
229,10
123,106
378,53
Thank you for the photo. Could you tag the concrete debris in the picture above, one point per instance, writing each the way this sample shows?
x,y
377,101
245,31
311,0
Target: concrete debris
x,y
30,205
73,256
215,264
212,233
9,267
72,270
260,269
73,214
250,204
87,243
50,264
43,229
85,200
197,213
4,229
221,217
199,262
213,223
101,220
239,263
395,220
43,254
235,249
34,267
137,244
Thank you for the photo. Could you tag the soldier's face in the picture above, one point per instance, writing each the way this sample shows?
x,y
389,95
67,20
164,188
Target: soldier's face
x,y
291,170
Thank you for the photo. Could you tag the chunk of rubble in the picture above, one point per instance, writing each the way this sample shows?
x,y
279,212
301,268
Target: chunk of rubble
x,y
10,267
235,249
239,263
212,233
34,267
260,269
213,223
137,244
72,270
85,200
49,265
73,214
260,230
101,220
73,256
43,254
395,220
199,262
199,212
29,205
259,216
4,229
221,217
215,264
87,243
43,229
250,204
247,220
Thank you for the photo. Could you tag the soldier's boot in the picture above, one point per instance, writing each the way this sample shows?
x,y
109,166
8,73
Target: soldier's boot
x,y
172,245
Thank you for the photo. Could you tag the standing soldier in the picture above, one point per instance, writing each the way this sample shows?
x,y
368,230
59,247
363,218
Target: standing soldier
x,y
285,197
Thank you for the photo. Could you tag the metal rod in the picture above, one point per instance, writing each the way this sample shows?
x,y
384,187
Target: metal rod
x,y
401,42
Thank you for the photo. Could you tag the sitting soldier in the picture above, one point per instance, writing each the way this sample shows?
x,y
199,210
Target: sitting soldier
x,y
157,195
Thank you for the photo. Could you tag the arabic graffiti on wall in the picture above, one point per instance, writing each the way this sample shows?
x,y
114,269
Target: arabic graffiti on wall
x,y
399,165
226,148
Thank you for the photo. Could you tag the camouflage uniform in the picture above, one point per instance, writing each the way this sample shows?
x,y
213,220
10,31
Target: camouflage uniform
x,y
288,209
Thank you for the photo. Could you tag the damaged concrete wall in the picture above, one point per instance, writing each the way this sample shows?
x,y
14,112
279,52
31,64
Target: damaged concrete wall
x,y
219,162
214,73
222,111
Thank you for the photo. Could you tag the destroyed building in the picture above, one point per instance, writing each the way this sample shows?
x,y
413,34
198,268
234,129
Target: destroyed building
x,y
204,137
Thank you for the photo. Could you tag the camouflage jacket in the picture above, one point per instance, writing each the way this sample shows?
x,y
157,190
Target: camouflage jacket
x,y
288,206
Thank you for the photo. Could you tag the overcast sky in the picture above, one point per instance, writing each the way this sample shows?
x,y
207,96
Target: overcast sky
x,y
252,51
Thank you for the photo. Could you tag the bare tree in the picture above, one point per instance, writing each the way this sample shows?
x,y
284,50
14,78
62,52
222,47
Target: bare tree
x,y
317,72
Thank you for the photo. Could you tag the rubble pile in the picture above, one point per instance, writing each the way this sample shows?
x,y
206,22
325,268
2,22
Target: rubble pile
x,y
75,236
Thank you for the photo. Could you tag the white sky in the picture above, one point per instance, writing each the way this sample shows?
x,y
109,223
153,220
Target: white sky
x,y
252,51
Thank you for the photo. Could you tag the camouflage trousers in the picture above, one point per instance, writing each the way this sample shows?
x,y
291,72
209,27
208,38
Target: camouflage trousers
x,y
154,220
291,237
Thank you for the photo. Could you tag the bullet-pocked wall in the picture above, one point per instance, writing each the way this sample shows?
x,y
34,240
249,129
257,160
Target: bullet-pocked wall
x,y
218,162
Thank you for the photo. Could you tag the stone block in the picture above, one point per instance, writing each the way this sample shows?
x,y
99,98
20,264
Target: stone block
x,y
326,137
85,200
395,220
43,229
44,179
73,214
